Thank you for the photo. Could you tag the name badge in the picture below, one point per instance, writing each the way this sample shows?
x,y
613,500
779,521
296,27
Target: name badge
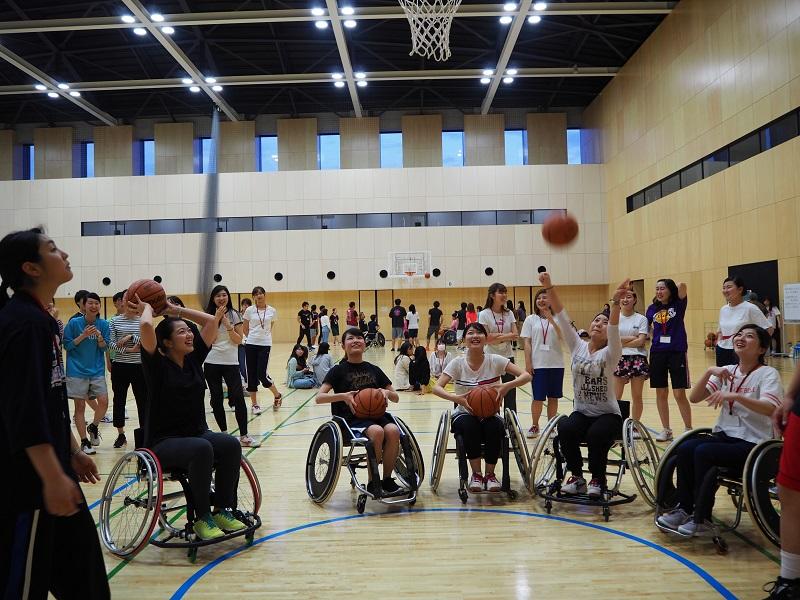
x,y
545,347
666,339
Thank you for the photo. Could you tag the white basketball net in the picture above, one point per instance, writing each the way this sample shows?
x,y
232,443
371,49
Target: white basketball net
x,y
430,26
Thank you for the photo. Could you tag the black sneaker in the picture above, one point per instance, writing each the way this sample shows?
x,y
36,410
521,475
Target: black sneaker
x,y
94,434
390,486
86,447
783,589
120,441
373,489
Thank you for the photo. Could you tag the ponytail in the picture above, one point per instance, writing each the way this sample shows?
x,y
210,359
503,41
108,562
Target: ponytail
x,y
17,248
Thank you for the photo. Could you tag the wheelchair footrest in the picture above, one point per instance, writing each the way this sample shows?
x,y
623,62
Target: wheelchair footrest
x,y
192,541
607,499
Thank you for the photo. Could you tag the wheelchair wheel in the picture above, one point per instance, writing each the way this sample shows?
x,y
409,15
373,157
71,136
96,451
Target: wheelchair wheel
x,y
324,462
402,466
380,339
642,457
519,446
543,464
665,481
440,449
131,503
760,497
248,493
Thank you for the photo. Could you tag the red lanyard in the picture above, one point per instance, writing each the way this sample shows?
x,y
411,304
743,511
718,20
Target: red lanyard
x,y
502,323
258,314
736,391
544,331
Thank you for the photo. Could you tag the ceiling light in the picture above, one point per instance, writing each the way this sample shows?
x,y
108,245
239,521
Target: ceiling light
x,y
347,10
508,80
157,17
216,88
361,83
488,72
63,86
339,84
194,89
505,20
485,80
127,19
534,19
360,75
187,80
336,75
317,11
509,6
140,31
539,5
40,87
168,30
511,71
75,94
210,80
350,23
52,94
321,24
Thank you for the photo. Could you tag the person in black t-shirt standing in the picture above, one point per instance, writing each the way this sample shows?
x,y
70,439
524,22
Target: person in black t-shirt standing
x,y
434,324
49,528
398,315
304,318
461,315
339,389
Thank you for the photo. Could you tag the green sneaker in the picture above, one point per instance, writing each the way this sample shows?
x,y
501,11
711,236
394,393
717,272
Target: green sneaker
x,y
206,528
225,520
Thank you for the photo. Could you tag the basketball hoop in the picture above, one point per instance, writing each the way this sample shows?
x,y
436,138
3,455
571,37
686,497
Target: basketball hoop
x,y
430,26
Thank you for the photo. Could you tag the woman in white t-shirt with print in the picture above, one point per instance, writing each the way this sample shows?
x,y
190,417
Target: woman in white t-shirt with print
x,y
412,324
736,313
633,366
543,359
479,368
501,327
258,322
596,418
746,395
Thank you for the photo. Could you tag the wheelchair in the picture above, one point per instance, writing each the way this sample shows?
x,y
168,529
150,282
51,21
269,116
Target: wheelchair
x,y
635,451
134,501
376,340
514,439
752,491
326,458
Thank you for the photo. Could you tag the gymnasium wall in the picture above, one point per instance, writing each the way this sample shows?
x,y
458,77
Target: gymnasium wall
x,y
711,73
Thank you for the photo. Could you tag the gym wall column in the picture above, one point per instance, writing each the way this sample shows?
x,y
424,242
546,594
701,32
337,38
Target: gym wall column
x,y
113,151
297,145
53,154
547,138
237,147
174,148
360,143
484,140
6,155
422,140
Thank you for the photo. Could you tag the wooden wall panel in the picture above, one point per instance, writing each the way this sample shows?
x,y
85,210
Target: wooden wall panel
x,y
422,140
360,143
297,145
7,139
547,138
484,140
237,147
174,148
113,151
53,152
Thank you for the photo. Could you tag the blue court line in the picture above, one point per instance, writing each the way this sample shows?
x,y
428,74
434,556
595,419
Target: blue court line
x,y
96,503
698,570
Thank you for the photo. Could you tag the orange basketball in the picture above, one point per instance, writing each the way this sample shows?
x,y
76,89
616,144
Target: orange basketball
x,y
370,404
483,401
427,275
148,291
560,229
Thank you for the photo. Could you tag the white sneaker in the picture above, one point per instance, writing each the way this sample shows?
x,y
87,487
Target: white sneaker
x,y
492,485
247,442
94,434
475,483
595,489
697,529
256,409
574,485
533,432
665,435
674,519
106,419
87,448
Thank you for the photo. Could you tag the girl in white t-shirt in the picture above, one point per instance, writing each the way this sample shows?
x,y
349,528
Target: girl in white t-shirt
x,y
733,316
479,368
259,319
774,317
543,359
412,324
501,326
746,395
633,366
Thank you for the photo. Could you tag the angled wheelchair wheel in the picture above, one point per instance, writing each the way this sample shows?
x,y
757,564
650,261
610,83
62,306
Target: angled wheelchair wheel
x,y
666,475
248,493
543,463
642,457
324,462
760,492
411,474
380,339
131,503
440,449
519,446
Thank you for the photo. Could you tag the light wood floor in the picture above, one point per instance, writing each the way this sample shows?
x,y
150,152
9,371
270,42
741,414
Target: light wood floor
x,y
491,547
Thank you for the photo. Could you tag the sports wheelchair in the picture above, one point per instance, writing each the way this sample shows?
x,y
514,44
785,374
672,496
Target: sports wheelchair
x,y
513,438
635,452
374,340
134,502
326,458
752,490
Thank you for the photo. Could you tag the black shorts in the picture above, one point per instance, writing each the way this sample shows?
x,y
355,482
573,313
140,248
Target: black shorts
x,y
672,363
412,333
363,424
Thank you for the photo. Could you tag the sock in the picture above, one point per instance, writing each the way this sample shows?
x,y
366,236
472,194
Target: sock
x,y
790,565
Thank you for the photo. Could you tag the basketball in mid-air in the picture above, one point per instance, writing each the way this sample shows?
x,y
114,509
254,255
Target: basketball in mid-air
x,y
560,229
149,291
427,275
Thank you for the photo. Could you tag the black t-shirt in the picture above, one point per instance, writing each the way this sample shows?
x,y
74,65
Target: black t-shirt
x,y
362,325
33,397
436,317
314,319
398,313
305,318
352,377
462,318
372,327
334,320
175,395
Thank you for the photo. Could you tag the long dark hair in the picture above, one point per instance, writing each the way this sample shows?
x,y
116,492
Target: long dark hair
x,y
764,338
404,348
16,249
673,290
211,307
302,361
493,289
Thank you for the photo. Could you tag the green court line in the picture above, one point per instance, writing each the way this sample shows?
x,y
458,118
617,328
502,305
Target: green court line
x,y
751,543
250,420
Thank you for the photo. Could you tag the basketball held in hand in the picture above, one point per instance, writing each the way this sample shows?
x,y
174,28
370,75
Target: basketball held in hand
x,y
370,404
149,291
560,229
483,402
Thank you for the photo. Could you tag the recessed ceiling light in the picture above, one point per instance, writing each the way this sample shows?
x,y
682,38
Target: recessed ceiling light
x,y
63,86
505,20
158,18
508,80
52,94
485,80
539,5
488,72
509,6
360,75
534,19
216,88
140,31
194,89
361,83
168,30
187,80
339,84
317,11
347,10
321,24
40,87
127,19
210,80
75,94
511,71
337,75
350,23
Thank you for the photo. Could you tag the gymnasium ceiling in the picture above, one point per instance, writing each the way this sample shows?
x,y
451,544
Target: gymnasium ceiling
x,y
269,57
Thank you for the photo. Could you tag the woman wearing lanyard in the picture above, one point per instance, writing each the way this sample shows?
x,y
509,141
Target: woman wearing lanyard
x,y
258,322
501,326
633,367
746,395
735,313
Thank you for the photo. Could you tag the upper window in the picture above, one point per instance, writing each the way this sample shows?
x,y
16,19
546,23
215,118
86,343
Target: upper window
x,y
28,162
208,163
516,147
268,153
391,150
149,157
574,146
453,148
328,151
89,159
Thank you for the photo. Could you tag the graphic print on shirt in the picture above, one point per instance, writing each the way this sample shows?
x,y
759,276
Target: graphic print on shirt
x,y
664,315
594,387
362,379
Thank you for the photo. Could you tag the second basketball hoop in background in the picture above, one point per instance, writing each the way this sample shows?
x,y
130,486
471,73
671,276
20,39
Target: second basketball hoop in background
x,y
410,268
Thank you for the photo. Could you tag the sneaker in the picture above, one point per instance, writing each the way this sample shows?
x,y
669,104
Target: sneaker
x,y
475,483
595,489
390,486
225,520
206,528
674,519
783,589
86,447
373,489
247,442
120,441
533,432
256,409
106,419
492,485
574,485
94,434
665,435
697,529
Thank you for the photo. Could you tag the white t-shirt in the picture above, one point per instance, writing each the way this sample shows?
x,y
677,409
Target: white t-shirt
x,y
498,323
438,364
224,351
591,371
465,379
324,321
413,320
634,326
764,383
733,318
260,322
772,316
546,350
